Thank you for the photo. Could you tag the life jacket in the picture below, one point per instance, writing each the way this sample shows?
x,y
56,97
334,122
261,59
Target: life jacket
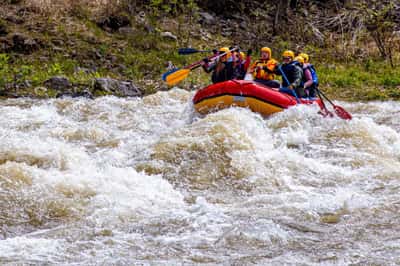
x,y
313,74
222,72
289,71
270,64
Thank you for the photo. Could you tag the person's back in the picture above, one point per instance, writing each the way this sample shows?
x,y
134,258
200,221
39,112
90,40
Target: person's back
x,y
292,75
222,70
311,79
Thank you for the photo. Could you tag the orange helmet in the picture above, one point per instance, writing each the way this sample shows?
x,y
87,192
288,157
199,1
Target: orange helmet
x,y
299,59
305,56
225,50
288,53
266,50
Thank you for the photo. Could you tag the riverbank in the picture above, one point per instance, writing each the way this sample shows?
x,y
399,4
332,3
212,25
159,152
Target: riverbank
x,y
78,46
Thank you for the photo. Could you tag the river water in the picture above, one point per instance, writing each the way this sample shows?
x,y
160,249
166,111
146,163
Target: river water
x,y
116,181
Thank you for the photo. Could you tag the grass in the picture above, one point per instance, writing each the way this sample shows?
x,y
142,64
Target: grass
x,y
360,81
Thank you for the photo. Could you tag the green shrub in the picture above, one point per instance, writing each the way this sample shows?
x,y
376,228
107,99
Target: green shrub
x,y
4,70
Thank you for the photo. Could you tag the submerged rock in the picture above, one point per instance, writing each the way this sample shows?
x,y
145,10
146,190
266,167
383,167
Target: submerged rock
x,y
117,87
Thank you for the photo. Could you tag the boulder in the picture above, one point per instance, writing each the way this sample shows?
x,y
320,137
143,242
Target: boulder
x,y
114,22
168,35
117,87
59,83
206,18
23,44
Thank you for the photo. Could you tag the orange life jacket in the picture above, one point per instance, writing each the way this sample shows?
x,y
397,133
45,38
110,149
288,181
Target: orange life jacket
x,y
258,69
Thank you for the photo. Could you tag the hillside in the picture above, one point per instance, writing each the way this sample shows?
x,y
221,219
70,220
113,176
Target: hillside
x,y
354,44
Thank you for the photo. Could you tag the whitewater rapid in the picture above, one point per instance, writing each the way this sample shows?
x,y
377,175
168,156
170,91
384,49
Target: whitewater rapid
x,y
147,181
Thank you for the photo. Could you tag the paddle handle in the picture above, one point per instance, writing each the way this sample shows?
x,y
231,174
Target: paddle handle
x,y
186,51
212,57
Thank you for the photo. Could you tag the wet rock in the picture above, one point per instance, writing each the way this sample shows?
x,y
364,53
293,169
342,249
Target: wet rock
x,y
75,92
113,22
117,87
206,18
83,93
168,35
61,84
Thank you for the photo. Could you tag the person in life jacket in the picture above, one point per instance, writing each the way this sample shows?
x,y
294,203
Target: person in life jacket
x,y
292,75
263,69
241,64
311,77
222,67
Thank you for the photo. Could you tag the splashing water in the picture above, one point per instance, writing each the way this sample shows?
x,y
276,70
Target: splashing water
x,y
147,181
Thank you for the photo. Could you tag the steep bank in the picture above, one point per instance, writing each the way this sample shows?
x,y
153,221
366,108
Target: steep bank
x,y
124,40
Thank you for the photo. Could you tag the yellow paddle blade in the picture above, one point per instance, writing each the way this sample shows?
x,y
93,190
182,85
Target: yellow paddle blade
x,y
177,76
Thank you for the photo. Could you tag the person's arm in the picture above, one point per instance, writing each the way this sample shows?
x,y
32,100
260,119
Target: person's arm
x,y
207,65
277,70
309,79
247,61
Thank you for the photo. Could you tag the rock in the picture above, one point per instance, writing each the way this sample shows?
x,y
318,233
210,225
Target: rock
x,y
243,25
5,44
169,35
23,44
14,19
58,83
83,93
40,91
149,29
15,2
114,22
3,28
206,18
117,87
226,33
128,31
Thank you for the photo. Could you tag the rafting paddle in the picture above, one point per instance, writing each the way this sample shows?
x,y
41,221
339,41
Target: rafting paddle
x,y
186,51
340,111
174,76
325,112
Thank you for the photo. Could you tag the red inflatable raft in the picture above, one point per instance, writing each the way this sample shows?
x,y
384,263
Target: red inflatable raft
x,y
249,94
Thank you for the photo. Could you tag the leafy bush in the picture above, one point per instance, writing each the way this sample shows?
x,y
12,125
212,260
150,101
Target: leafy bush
x,y
4,70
